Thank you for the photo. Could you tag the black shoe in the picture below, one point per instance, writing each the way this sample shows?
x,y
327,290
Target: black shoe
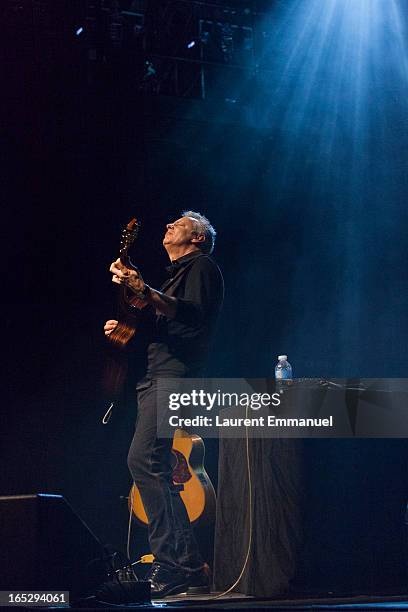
x,y
165,582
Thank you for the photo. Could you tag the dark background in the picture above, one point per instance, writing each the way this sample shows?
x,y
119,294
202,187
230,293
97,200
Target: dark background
x,y
300,166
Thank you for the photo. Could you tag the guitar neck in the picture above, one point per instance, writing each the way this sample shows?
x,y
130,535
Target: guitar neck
x,y
125,260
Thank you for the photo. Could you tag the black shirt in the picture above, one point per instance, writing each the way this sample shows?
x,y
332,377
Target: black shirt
x,y
180,345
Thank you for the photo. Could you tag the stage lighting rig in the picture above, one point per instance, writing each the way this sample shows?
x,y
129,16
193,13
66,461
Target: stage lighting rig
x,y
188,42
110,24
226,42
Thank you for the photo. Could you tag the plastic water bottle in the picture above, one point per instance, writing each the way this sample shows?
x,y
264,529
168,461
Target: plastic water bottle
x,y
283,372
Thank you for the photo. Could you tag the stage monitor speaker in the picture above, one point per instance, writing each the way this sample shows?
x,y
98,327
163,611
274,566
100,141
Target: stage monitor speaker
x,y
46,546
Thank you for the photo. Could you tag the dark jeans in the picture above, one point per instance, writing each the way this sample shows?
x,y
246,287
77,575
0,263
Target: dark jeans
x,y
170,534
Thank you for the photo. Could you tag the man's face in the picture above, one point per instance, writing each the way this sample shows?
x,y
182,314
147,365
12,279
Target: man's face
x,y
180,233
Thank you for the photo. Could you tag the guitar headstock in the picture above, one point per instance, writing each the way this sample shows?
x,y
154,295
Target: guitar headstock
x,y
128,237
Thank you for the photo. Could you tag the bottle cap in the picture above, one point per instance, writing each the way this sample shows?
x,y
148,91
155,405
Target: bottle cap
x,y
282,357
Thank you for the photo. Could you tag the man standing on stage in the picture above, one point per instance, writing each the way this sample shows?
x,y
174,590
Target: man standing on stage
x,y
187,307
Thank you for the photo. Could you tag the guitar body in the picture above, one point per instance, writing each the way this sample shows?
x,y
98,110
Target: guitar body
x,y
122,335
190,477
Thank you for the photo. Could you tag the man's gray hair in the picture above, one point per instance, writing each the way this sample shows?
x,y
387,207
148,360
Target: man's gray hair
x,y
204,227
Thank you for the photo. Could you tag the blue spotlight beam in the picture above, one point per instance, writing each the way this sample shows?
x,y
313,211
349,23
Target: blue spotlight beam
x,y
337,85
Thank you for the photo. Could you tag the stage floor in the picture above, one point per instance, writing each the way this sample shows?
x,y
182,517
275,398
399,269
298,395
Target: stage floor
x,y
237,601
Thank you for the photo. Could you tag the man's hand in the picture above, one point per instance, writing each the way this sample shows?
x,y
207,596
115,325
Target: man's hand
x,y
110,326
126,276
163,304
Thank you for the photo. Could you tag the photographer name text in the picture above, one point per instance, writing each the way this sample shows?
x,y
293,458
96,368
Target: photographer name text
x,y
269,421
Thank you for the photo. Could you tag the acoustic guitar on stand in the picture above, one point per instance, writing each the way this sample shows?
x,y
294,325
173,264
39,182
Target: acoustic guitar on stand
x,y
189,477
